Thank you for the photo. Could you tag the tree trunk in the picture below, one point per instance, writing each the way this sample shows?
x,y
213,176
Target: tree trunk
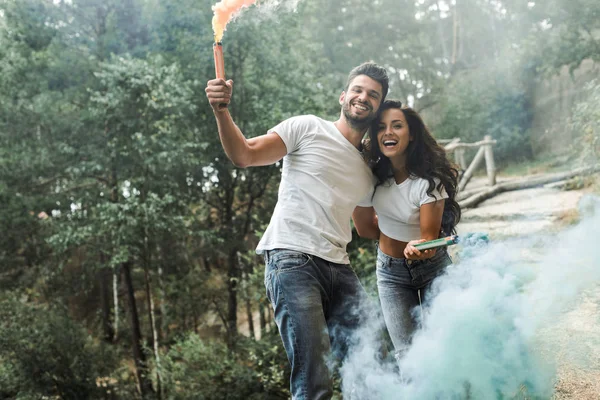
x,y
250,318
115,274
141,368
206,264
164,322
263,319
455,34
108,332
154,333
233,275
269,317
440,30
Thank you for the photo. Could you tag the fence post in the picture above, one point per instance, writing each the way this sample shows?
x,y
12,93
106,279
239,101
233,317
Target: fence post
x,y
489,161
469,172
459,156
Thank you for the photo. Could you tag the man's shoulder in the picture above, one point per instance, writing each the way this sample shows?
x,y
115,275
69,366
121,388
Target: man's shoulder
x,y
308,119
303,124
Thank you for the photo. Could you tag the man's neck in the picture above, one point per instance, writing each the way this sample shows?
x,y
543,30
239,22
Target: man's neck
x,y
351,134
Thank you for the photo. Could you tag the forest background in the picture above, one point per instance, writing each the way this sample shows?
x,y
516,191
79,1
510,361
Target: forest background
x,y
127,265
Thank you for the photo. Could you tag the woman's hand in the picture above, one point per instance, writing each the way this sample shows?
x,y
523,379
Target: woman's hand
x,y
411,252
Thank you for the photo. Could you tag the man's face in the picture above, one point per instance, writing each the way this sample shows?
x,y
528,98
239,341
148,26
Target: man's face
x,y
361,101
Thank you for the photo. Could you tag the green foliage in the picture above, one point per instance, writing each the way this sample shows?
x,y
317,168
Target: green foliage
x,y
43,352
270,364
565,32
198,369
109,154
479,103
27,22
363,257
23,245
584,124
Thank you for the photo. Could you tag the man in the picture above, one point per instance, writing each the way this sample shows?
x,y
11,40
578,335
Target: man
x,y
313,290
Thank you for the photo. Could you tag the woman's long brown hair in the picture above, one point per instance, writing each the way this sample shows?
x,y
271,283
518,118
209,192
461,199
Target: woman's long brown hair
x,y
425,158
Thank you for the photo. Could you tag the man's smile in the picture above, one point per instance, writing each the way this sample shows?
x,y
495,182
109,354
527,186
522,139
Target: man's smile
x,y
361,107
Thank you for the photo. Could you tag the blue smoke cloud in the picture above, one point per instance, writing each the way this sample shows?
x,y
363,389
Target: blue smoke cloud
x,y
481,335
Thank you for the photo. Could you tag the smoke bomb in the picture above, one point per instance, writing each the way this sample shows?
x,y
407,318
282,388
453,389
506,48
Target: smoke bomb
x,y
219,61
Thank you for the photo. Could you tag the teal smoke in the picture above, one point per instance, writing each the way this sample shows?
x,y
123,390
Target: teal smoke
x,y
481,330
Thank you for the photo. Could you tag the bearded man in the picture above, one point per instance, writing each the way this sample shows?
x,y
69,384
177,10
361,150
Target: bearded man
x,y
314,292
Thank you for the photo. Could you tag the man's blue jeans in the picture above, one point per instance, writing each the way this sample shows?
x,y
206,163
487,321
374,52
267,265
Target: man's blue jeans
x,y
317,307
402,285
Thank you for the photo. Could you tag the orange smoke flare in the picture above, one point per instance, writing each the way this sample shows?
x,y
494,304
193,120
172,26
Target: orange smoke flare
x,y
219,65
224,11
219,62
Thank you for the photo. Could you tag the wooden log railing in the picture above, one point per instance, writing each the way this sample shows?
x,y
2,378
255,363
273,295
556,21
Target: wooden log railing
x,y
485,152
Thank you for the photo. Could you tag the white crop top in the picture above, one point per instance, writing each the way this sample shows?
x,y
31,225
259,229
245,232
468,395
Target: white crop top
x,y
398,206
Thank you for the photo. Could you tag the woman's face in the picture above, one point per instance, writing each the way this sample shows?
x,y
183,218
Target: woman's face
x,y
393,135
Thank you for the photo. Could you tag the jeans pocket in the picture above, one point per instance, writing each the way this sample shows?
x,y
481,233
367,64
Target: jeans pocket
x,y
433,267
269,287
288,260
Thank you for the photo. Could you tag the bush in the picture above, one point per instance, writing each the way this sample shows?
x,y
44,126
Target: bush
x,y
43,353
207,370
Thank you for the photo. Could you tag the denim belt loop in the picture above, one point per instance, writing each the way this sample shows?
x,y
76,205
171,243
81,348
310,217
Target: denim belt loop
x,y
389,261
386,261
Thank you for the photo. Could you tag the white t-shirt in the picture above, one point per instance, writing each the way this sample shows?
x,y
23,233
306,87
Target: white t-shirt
x,y
398,206
324,177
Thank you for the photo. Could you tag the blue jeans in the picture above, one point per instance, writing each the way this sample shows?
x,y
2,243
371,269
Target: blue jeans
x,y
402,285
317,306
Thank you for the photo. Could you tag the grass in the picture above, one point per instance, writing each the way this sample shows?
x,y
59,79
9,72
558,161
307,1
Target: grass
x,y
594,184
542,164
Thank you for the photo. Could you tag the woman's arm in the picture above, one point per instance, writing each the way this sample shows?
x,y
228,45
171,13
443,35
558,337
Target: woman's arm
x,y
365,221
430,222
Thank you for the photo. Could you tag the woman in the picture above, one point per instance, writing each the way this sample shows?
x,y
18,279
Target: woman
x,y
413,201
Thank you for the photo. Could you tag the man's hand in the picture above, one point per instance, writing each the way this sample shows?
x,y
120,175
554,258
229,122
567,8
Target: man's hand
x,y
218,92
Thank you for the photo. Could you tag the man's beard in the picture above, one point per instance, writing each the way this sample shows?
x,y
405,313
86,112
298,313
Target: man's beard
x,y
357,123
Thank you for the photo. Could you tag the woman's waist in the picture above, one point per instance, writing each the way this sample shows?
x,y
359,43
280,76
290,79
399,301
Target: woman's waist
x,y
391,247
391,251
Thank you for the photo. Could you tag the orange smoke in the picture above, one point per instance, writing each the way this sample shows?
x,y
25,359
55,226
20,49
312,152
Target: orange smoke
x,y
224,11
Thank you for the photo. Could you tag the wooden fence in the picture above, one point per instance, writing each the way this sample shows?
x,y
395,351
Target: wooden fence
x,y
485,152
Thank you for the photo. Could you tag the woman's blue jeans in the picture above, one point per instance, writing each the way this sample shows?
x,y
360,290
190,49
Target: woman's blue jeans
x,y
403,285
317,307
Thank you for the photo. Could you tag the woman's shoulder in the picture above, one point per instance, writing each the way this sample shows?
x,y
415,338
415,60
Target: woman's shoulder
x,y
418,181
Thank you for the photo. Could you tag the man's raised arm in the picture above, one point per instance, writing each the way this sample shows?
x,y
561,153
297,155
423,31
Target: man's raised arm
x,y
261,150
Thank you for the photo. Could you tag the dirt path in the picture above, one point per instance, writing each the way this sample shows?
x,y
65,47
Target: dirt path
x,y
543,210
522,212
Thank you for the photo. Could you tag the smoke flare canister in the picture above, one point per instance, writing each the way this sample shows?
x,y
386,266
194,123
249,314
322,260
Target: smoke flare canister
x,y
447,241
219,63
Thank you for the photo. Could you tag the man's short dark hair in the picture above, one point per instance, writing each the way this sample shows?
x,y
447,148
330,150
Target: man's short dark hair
x,y
373,71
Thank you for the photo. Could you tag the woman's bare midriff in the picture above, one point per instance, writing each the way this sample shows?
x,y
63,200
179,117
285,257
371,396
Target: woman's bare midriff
x,y
391,247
